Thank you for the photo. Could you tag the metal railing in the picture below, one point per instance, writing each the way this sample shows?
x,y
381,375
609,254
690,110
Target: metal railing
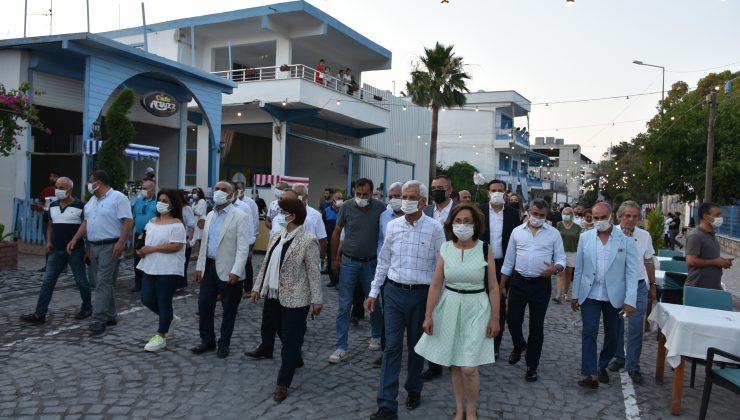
x,y
731,223
366,94
505,134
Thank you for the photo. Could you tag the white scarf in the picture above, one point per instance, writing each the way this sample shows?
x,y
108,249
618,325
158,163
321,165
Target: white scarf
x,y
273,268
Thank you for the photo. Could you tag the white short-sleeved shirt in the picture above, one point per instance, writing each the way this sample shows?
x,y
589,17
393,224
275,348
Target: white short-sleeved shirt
x,y
314,223
645,250
105,215
161,263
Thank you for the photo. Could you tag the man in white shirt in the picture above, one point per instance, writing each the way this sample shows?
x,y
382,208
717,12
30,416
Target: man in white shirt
x,y
535,252
248,207
628,215
273,209
314,223
406,265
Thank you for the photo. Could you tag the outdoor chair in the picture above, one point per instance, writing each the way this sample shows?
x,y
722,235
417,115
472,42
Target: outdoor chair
x,y
674,266
669,253
725,377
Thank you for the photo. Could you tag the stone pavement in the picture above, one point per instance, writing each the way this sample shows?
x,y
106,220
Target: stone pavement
x,y
58,371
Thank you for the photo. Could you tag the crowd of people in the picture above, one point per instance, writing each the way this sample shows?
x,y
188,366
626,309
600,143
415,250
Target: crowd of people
x,y
343,81
448,275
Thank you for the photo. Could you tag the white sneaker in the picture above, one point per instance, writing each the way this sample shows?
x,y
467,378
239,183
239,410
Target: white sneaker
x,y
338,356
374,344
156,343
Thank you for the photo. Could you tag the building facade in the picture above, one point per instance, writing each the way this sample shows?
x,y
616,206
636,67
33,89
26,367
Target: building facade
x,y
569,170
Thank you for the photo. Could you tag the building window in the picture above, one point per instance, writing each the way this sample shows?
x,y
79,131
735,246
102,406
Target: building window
x,y
191,157
514,167
506,122
504,162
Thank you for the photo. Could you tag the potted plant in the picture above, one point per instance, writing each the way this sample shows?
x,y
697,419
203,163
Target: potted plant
x,y
284,72
16,112
8,250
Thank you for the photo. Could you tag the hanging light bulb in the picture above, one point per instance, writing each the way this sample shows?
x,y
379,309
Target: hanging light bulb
x,y
339,102
238,114
285,102
460,136
404,107
477,109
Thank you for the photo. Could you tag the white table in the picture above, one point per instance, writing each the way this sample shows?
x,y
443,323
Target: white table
x,y
687,331
659,277
660,259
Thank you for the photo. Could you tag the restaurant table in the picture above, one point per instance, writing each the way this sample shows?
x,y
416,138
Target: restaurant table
x,y
659,259
688,331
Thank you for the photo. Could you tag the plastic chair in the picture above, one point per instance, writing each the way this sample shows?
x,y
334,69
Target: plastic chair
x,y
705,298
669,253
679,258
674,266
726,378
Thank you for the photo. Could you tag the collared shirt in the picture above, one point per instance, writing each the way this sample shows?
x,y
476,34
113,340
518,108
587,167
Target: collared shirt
x,y
214,229
144,211
385,217
272,211
496,227
645,250
105,215
314,223
409,253
598,288
249,207
528,253
441,215
65,220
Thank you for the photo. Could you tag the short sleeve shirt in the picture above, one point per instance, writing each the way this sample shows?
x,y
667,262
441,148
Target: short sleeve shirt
x,y
105,216
314,223
361,227
645,250
704,245
65,222
164,263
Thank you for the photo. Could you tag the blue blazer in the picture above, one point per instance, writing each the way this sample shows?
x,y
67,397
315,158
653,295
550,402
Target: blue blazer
x,y
621,272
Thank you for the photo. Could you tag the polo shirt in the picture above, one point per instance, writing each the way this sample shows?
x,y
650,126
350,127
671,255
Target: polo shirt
x,y
105,215
65,223
144,211
361,227
704,245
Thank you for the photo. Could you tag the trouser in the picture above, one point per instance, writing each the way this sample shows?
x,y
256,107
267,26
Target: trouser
x,y
634,331
156,294
502,308
672,237
248,276
333,278
591,311
210,287
351,272
104,266
290,324
55,263
535,293
403,312
183,281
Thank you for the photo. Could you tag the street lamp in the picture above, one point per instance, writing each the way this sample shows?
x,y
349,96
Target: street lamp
x,y
662,90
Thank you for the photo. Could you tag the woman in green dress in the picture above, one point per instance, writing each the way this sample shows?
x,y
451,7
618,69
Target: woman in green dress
x,y
570,232
461,319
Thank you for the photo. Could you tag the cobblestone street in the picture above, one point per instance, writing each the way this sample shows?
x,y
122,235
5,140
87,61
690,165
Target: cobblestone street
x,y
58,371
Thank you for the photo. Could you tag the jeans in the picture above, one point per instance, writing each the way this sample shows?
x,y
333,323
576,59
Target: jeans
x,y
591,311
231,296
55,263
635,332
404,311
534,293
156,294
105,268
290,324
349,273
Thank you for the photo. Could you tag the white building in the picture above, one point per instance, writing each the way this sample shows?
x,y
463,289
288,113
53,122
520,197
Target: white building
x,y
569,170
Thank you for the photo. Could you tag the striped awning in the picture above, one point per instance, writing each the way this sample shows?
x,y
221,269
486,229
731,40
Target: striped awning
x,y
133,151
264,179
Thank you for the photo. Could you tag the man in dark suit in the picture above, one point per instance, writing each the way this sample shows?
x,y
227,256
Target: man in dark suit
x,y
500,221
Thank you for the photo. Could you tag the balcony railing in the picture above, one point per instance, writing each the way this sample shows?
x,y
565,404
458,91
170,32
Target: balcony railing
x,y
365,94
505,134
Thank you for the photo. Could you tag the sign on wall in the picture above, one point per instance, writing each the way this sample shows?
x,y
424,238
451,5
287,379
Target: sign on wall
x,y
160,104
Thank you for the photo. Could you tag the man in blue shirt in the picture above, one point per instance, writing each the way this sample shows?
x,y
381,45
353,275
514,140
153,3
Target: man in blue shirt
x,y
145,209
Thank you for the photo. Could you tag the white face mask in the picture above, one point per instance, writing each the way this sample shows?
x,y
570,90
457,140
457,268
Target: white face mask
x,y
195,196
91,188
602,225
497,198
278,193
281,220
463,231
60,194
338,202
535,222
395,204
362,202
409,206
717,222
220,197
163,208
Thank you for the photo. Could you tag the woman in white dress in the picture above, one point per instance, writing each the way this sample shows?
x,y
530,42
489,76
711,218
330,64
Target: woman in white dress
x,y
200,209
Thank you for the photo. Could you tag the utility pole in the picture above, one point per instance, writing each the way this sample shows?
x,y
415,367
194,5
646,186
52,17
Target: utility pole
x,y
712,98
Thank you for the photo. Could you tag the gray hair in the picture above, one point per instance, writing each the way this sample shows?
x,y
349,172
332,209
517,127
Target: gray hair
x,y
300,185
628,203
68,181
395,185
231,186
568,209
288,190
423,190
603,203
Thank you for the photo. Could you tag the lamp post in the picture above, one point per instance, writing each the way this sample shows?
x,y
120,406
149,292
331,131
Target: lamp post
x,y
662,89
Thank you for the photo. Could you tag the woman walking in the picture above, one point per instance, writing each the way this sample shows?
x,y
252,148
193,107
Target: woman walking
x,y
188,218
461,320
200,210
162,261
570,232
290,281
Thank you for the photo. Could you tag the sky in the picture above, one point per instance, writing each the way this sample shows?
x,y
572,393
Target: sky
x,y
545,50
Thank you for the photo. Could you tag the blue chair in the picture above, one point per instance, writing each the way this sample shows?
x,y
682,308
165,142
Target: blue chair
x,y
705,298
727,378
669,253
674,266
679,258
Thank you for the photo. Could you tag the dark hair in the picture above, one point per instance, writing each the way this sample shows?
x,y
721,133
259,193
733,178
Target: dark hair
x,y
199,190
478,220
539,203
706,208
293,206
496,181
329,190
175,202
54,172
295,194
587,210
364,181
102,176
445,177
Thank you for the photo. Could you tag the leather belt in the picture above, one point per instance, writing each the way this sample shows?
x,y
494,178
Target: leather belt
x,y
530,279
463,291
409,287
104,242
361,259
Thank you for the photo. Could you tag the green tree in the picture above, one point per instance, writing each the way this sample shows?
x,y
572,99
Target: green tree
x,y
437,81
654,226
461,175
120,132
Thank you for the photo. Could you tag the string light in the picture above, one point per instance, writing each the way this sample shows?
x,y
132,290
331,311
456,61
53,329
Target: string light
x,y
285,102
238,114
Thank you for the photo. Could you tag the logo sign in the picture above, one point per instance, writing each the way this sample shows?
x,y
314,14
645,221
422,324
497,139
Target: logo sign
x,y
160,104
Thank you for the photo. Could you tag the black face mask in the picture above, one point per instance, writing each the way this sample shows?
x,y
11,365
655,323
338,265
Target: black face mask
x,y
439,196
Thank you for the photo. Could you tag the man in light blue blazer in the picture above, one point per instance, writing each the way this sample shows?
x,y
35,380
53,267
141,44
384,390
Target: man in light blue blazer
x,y
604,282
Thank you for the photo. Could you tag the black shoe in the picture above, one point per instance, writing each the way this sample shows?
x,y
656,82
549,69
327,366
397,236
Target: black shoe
x,y
202,348
259,353
33,319
496,354
97,328
136,289
83,314
384,414
603,376
222,352
354,320
432,373
378,362
300,363
636,377
42,269
515,356
413,400
615,365
588,382
531,375
111,322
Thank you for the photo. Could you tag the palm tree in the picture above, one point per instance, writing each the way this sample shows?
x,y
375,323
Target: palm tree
x,y
437,81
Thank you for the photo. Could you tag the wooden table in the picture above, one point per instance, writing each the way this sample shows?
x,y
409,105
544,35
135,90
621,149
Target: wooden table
x,y
687,331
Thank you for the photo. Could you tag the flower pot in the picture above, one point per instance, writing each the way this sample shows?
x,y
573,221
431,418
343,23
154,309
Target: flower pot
x,y
8,255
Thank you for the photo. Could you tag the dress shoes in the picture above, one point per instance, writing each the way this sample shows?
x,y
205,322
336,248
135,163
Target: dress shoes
x,y
531,375
589,382
259,353
384,414
636,377
603,376
280,393
515,356
432,373
203,348
222,352
413,400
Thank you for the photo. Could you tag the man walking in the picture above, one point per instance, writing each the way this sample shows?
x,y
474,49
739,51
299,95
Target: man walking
x,y
249,207
535,252
314,222
145,209
628,215
221,268
273,209
605,281
65,217
703,251
108,222
441,194
406,266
